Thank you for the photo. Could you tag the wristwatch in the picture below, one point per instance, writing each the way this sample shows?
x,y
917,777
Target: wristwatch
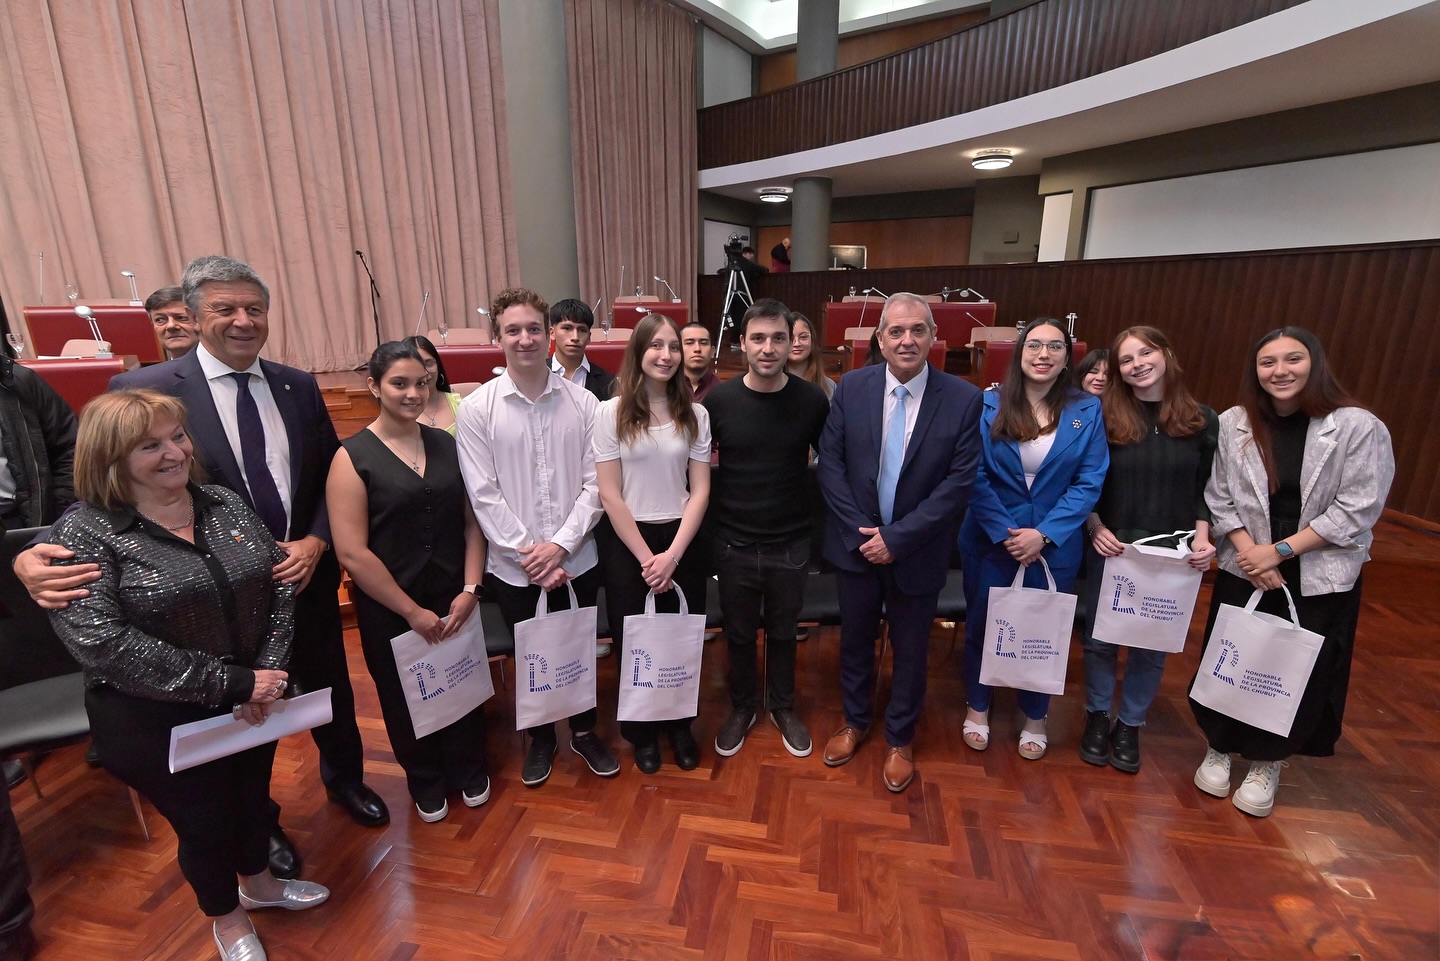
x,y
1045,538
1284,550
471,589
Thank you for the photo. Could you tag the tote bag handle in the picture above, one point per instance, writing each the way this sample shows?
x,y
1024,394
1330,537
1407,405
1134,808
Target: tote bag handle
x,y
1294,615
542,606
650,600
1019,580
1182,548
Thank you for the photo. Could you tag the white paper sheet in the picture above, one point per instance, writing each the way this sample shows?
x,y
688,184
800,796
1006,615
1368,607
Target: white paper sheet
x,y
200,742
443,682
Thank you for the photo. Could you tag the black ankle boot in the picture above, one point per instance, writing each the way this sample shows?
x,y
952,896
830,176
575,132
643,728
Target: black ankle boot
x,y
1095,742
1125,748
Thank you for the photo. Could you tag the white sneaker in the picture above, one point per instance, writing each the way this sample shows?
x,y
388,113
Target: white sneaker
x,y
1213,774
1256,795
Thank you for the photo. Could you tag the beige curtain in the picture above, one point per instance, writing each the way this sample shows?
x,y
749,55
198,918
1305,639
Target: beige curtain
x,y
137,134
632,116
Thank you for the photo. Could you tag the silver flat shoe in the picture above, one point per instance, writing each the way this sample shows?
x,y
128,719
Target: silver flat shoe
x,y
247,948
298,896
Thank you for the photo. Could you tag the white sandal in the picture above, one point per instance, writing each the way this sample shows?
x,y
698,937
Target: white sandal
x,y
1038,742
981,731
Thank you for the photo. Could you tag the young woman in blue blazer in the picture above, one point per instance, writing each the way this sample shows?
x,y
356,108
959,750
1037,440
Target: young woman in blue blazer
x,y
1043,465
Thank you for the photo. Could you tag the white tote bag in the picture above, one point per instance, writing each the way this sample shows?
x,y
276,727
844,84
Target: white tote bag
x,y
555,661
1027,636
443,682
660,675
1147,596
1256,665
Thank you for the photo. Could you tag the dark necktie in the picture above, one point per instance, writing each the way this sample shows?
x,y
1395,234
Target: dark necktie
x,y
263,492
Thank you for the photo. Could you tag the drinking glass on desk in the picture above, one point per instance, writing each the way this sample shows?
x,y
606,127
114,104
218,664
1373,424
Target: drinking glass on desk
x,y
16,341
444,329
606,319
72,294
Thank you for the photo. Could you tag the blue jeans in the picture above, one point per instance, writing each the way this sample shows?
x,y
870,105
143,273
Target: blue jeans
x,y
1143,669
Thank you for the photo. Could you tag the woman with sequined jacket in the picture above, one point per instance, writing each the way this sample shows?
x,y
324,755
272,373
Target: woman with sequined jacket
x,y
184,622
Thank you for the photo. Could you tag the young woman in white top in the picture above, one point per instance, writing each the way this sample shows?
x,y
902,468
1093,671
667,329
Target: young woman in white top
x,y
652,456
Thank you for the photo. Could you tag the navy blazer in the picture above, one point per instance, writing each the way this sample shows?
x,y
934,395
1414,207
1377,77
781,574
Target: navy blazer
x,y
935,477
1065,491
313,442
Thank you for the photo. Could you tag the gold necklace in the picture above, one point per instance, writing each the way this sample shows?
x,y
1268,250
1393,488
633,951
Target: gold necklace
x,y
190,519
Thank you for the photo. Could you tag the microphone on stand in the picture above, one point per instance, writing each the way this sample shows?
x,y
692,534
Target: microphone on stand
x,y
88,315
622,281
643,310
135,300
876,290
1070,319
674,297
421,319
41,255
374,294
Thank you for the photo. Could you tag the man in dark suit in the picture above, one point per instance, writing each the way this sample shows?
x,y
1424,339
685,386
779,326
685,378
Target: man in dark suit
x,y
570,323
897,463
262,430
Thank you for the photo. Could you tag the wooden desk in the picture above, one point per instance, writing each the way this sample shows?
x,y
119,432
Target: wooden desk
x,y
79,379
952,321
859,354
993,359
625,315
128,329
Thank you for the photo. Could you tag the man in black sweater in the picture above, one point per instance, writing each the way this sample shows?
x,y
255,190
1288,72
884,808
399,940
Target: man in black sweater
x,y
764,426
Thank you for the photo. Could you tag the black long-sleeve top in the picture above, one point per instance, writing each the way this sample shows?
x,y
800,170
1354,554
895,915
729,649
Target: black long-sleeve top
x,y
1157,484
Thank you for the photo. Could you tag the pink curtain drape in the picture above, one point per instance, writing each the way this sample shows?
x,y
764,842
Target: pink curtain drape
x,y
137,134
632,119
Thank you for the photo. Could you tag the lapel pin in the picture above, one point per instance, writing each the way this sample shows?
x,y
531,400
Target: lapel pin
x,y
1075,423
287,387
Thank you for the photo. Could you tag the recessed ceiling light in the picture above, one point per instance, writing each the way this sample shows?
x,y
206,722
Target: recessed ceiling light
x,y
774,195
992,160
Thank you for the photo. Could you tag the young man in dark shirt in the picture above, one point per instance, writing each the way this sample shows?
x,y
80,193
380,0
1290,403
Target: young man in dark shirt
x,y
764,425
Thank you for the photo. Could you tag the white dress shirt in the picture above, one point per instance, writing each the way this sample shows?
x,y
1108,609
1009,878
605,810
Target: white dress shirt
x,y
581,373
529,469
225,392
916,387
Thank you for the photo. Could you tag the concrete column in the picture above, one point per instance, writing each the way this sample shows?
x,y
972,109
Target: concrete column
x,y
537,95
810,224
817,38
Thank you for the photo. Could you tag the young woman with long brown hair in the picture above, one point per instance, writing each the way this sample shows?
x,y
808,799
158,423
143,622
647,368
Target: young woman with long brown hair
x,y
1300,478
652,458
1043,461
1162,442
807,355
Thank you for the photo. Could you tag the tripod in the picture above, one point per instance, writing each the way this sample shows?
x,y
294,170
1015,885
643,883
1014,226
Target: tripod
x,y
736,289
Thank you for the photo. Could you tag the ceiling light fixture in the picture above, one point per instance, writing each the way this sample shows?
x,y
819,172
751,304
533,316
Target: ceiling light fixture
x,y
992,160
774,195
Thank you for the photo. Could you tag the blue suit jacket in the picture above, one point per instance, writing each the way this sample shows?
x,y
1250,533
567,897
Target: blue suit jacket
x,y
935,478
1065,491
307,423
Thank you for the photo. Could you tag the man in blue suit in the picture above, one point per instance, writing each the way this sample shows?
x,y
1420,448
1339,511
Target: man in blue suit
x,y
897,461
262,430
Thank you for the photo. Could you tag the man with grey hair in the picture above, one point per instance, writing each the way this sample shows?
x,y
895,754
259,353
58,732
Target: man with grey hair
x,y
261,429
175,329
897,462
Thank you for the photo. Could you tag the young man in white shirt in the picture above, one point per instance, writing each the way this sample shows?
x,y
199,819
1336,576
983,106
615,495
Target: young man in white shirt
x,y
524,441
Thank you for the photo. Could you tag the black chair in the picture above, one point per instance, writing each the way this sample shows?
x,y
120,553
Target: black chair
x,y
42,691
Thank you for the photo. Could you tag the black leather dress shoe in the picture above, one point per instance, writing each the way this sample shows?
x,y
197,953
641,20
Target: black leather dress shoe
x,y
1095,742
284,859
365,807
14,773
647,757
687,752
1125,748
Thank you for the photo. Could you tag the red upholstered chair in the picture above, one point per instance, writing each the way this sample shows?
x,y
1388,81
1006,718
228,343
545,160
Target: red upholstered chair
x,y
77,380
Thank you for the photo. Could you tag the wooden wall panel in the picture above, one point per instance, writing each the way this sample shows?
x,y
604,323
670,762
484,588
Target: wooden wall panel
x,y
1037,47
914,242
1377,309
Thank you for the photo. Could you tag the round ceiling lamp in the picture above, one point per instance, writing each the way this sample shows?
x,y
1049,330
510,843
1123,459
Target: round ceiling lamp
x,y
774,195
992,160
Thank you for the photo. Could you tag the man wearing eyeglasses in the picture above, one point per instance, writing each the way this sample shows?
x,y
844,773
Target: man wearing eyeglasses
x,y
897,462
176,330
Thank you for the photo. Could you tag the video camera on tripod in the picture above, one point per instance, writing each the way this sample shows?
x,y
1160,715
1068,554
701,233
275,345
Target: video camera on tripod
x,y
737,290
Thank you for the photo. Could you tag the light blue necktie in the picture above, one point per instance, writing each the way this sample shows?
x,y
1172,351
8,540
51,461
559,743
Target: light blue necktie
x,y
893,456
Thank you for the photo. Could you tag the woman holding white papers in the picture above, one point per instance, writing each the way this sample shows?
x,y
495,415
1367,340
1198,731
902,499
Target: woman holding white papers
x,y
1162,443
404,530
185,622
1301,474
652,456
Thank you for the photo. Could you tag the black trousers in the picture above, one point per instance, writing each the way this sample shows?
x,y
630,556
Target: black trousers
x,y
450,759
218,810
863,600
518,604
762,585
317,661
625,592
16,909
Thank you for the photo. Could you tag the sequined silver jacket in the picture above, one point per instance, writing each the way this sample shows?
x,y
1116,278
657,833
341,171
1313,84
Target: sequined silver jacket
x,y
175,621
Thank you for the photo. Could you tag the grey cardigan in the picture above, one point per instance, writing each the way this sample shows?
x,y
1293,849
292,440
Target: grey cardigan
x,y
1345,477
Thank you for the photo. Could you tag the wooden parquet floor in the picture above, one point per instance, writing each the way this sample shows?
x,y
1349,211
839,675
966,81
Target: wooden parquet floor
x,y
766,856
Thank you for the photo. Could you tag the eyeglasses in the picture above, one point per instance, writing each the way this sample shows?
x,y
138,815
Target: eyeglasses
x,y
1052,346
